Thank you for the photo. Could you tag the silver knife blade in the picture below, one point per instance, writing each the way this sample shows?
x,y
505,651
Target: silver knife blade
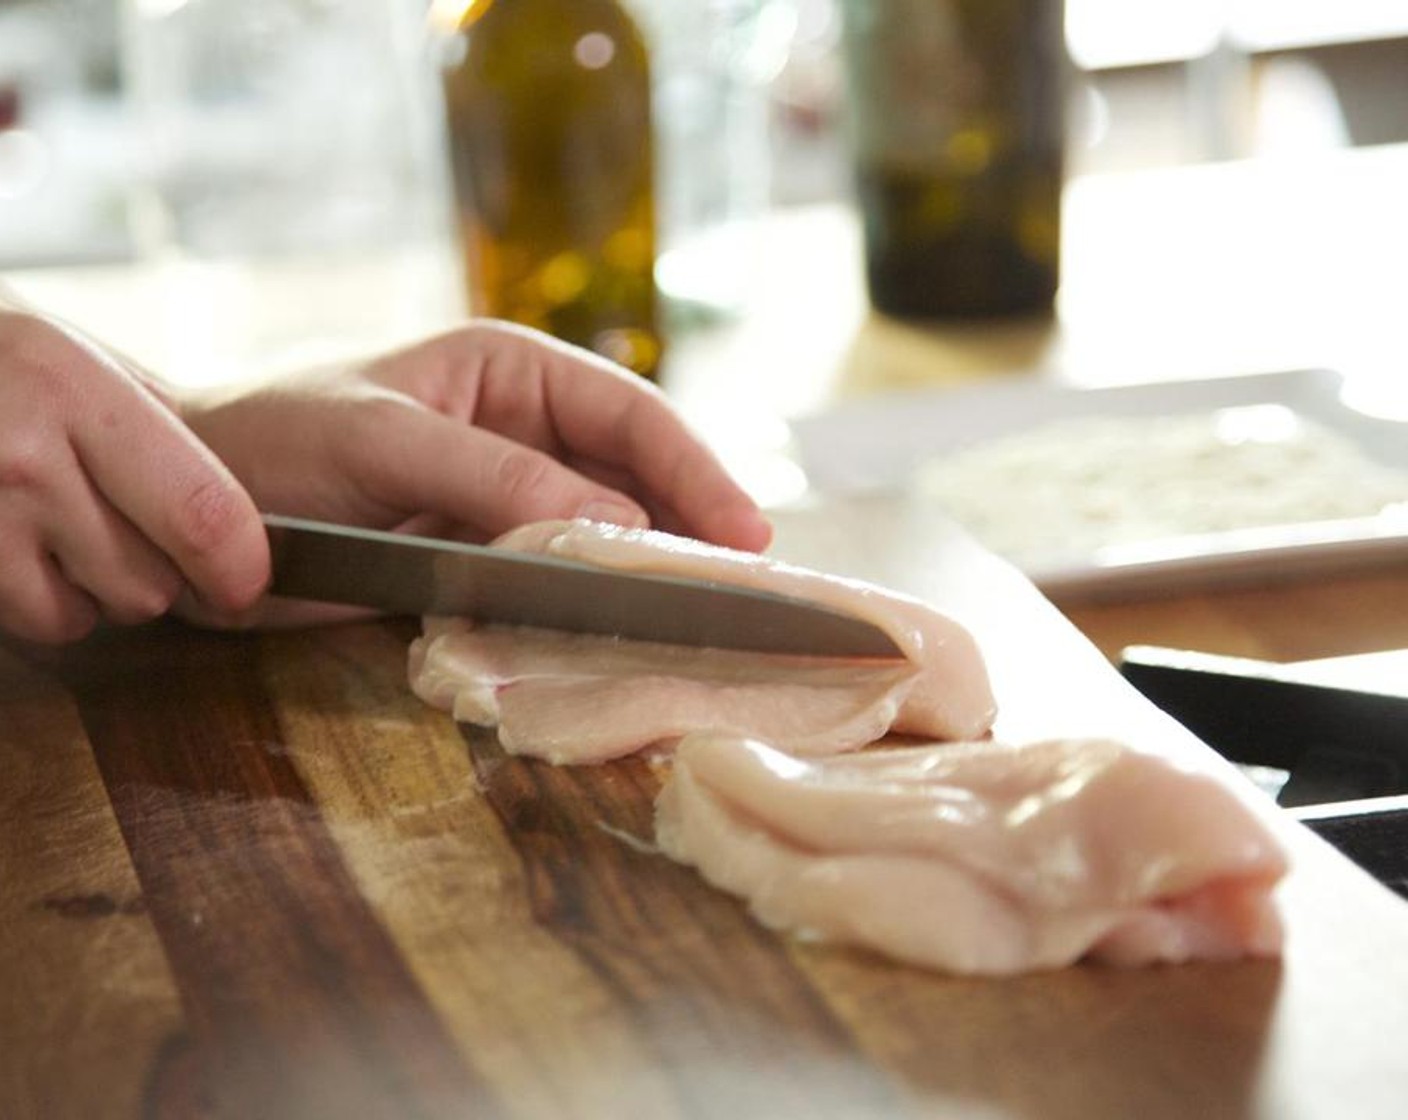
x,y
406,574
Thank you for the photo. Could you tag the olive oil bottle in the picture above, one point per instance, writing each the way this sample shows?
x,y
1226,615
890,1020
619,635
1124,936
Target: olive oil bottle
x,y
958,140
549,123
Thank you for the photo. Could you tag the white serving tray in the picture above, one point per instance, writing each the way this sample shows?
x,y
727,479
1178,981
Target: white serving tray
x,y
876,445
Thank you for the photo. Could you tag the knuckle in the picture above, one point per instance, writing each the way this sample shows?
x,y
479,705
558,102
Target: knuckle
x,y
25,457
42,355
208,516
44,383
521,476
378,415
490,332
366,426
40,604
144,602
71,626
22,332
49,623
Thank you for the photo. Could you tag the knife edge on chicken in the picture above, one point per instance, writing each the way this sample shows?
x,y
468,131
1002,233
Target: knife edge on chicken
x,y
581,698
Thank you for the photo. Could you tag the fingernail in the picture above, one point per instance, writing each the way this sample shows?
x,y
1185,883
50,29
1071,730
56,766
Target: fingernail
x,y
614,513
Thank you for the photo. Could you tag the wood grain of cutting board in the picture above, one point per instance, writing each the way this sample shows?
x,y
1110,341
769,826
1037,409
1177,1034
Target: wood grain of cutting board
x,y
252,875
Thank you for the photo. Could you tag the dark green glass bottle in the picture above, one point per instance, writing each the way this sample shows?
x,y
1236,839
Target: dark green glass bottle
x,y
548,115
958,138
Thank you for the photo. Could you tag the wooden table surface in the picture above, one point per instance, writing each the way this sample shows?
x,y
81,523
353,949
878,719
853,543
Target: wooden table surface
x,y
252,876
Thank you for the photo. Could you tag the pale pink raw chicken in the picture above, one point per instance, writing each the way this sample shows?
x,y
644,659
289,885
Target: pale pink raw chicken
x,y
577,698
980,858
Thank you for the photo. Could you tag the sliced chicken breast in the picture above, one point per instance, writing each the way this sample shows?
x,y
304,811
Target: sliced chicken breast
x,y
980,858
579,698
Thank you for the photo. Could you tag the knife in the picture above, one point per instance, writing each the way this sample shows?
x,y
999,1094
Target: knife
x,y
405,574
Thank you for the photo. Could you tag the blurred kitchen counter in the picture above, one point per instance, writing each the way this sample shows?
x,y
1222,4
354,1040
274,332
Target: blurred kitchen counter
x,y
1195,271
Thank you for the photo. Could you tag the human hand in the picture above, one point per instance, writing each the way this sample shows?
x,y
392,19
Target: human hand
x,y
109,506
474,432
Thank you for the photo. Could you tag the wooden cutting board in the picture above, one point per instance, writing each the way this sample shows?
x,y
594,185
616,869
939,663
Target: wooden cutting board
x,y
252,876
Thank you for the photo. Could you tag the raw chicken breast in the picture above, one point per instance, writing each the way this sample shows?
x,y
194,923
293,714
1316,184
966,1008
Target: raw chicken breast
x,y
582,698
980,858
578,698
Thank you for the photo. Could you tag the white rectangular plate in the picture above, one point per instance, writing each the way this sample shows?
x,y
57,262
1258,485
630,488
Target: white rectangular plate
x,y
876,445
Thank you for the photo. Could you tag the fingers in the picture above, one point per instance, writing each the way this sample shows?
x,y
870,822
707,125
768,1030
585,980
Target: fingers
x,y
71,558
637,431
100,553
585,410
43,600
38,602
175,493
429,462
108,504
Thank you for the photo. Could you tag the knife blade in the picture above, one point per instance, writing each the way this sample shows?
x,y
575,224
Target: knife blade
x,y
406,574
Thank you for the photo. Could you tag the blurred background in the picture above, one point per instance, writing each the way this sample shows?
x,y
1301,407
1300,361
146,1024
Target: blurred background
x,y
225,186
218,185
338,124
